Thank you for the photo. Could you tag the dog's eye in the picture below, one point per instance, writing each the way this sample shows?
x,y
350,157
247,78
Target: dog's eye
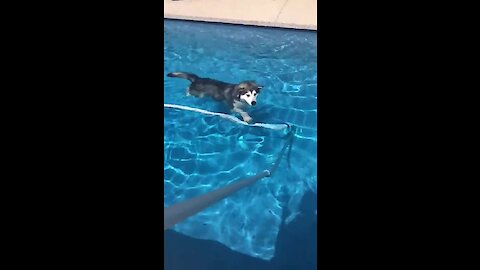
x,y
255,94
248,95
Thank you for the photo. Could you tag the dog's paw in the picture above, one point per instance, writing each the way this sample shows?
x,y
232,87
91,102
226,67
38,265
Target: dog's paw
x,y
248,119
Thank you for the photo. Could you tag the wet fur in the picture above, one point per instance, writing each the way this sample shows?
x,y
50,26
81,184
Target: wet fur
x,y
220,91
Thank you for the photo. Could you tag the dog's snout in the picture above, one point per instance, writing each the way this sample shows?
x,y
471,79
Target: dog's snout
x,y
253,103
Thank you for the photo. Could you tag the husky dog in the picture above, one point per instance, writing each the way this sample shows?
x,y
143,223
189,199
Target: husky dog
x,y
236,96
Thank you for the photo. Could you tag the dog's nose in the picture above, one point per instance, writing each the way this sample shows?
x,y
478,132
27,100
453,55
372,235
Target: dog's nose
x,y
253,103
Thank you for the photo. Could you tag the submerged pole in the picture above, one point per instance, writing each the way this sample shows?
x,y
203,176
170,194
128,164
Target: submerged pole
x,y
181,211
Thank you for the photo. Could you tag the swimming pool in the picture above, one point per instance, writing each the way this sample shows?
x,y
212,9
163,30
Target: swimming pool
x,y
203,153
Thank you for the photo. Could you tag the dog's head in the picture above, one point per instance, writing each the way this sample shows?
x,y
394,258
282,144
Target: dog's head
x,y
248,92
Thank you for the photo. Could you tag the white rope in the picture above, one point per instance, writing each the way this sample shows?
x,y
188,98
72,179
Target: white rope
x,y
227,116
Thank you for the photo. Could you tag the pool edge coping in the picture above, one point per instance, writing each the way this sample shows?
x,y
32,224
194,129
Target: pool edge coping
x,y
241,22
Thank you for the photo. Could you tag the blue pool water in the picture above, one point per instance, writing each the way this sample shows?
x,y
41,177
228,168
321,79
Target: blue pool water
x,y
203,153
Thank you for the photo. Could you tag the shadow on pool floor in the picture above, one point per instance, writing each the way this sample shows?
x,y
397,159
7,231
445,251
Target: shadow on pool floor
x,y
295,248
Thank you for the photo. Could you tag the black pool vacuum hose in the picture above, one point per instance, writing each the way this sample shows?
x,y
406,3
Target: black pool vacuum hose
x,y
181,211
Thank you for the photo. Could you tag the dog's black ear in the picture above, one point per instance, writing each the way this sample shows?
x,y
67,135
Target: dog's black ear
x,y
259,87
240,91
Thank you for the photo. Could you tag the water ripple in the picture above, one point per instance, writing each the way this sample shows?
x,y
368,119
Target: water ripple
x,y
203,153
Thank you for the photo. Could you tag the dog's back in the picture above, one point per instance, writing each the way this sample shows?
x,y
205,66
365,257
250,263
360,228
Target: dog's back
x,y
184,75
205,86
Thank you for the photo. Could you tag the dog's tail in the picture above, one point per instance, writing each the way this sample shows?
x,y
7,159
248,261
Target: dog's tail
x,y
184,75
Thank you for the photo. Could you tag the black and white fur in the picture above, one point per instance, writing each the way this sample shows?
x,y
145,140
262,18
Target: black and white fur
x,y
236,96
